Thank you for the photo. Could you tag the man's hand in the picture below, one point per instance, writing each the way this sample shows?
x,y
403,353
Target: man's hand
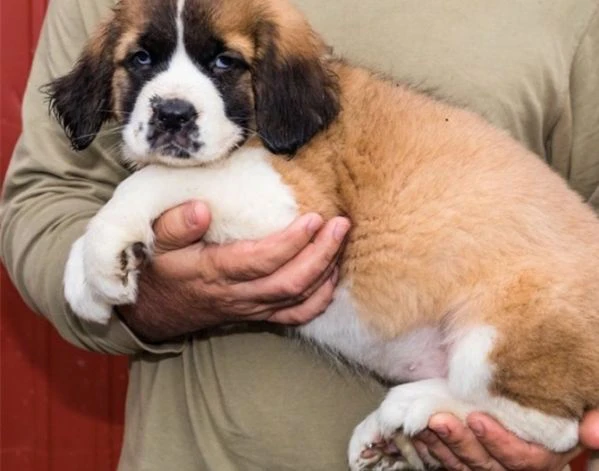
x,y
288,277
589,430
484,445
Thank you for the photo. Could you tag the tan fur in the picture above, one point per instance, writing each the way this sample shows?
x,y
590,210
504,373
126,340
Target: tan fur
x,y
454,223
243,17
241,44
120,79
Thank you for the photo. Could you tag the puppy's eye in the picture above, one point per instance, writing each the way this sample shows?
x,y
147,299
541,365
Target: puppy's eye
x,y
223,62
141,58
226,61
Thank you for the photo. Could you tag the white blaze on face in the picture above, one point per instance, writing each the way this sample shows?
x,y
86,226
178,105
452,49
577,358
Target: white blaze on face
x,y
216,135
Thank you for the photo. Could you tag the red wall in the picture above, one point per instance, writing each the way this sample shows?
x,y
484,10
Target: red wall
x,y
61,408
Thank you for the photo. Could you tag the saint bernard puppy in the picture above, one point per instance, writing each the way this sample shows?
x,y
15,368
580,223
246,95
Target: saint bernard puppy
x,y
471,273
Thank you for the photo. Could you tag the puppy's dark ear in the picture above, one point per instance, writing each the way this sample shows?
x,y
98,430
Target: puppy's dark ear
x,y
81,100
295,96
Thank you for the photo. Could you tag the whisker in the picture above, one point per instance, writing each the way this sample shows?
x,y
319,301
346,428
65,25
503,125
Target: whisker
x,y
253,133
101,133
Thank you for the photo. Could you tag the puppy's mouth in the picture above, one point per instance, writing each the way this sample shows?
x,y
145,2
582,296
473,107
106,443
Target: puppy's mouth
x,y
180,144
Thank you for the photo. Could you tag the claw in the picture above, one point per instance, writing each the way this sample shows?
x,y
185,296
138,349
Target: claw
x,y
131,259
370,453
139,252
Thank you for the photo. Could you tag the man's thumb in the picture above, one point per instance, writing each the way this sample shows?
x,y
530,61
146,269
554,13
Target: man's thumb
x,y
589,430
181,226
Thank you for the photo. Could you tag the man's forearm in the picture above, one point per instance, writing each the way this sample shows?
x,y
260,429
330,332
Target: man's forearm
x,y
161,314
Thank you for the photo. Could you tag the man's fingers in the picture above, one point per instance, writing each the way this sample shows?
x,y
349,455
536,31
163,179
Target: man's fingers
x,y
425,454
295,278
248,307
485,445
294,293
513,452
181,226
589,430
310,308
249,260
462,443
439,451
252,261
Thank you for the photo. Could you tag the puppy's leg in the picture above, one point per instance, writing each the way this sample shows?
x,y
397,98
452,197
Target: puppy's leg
x,y
104,263
396,453
471,385
535,412
406,410
113,254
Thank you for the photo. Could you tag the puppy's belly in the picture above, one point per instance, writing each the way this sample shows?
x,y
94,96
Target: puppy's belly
x,y
415,355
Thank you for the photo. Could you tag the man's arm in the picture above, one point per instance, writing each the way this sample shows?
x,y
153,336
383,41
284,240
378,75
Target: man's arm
x,y
50,192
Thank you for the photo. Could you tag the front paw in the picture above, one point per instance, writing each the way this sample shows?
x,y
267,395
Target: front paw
x,y
102,270
79,293
373,449
112,263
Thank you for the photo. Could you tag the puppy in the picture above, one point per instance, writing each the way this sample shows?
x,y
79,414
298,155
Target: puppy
x,y
471,272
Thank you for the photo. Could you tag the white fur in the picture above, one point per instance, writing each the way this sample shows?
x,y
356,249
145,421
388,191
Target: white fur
x,y
180,25
466,388
78,292
416,355
469,370
182,80
246,197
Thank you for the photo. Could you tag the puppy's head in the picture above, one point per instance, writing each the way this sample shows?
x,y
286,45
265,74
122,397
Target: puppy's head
x,y
190,80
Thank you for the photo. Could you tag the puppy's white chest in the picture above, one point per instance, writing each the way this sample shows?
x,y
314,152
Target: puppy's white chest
x,y
246,196
416,355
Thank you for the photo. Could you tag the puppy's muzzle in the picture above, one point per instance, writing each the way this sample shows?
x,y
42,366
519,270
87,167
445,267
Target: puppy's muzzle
x,y
172,128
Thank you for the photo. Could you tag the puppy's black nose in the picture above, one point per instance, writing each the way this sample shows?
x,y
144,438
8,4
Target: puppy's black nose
x,y
173,114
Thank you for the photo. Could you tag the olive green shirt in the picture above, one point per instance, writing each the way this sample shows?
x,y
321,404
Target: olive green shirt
x,y
254,400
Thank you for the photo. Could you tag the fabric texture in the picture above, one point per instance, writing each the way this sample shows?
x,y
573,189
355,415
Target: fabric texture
x,y
254,400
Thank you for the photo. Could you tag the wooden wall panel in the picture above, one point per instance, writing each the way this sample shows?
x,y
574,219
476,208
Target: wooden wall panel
x,y
61,408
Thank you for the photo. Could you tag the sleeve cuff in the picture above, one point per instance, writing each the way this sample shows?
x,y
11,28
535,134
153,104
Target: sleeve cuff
x,y
114,338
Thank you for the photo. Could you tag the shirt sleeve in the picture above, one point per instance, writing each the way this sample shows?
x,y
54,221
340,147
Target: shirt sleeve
x,y
51,191
575,140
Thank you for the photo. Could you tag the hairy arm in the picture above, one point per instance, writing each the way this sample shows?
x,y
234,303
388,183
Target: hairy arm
x,y
286,278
